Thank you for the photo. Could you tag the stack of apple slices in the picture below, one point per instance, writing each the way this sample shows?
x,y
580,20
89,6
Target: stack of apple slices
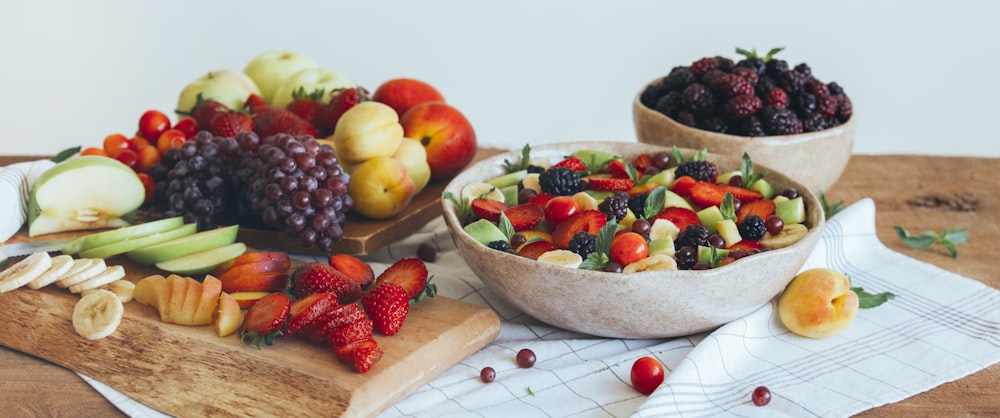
x,y
183,300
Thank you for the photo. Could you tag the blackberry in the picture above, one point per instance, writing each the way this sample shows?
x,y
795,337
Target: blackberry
x,y
678,79
686,118
699,170
827,106
614,206
740,107
583,244
812,122
751,126
712,77
846,109
560,181
732,85
693,236
834,88
777,97
535,169
713,124
816,87
775,67
756,64
752,227
686,257
653,93
669,104
804,69
780,121
792,81
803,102
764,85
724,63
637,204
698,99
704,65
747,74
499,245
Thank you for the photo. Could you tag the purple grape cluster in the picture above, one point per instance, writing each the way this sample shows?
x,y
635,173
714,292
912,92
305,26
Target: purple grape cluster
x,y
191,180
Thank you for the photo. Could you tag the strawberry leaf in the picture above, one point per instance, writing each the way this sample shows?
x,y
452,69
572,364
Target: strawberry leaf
x,y
830,209
869,300
520,165
747,174
429,291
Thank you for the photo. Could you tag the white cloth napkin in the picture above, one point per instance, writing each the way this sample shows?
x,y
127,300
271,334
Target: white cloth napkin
x,y
939,328
15,185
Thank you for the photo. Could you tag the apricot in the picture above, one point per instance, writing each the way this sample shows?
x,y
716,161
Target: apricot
x,y
818,303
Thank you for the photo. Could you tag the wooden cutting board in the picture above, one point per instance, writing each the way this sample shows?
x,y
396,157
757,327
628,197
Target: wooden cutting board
x,y
190,371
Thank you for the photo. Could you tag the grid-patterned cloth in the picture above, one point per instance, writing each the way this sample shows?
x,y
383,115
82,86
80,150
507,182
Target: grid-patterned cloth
x,y
939,328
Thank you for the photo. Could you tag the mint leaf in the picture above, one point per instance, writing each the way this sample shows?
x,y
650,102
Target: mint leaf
x,y
632,173
868,300
728,207
602,247
747,174
679,157
65,154
520,165
716,257
464,206
654,202
829,209
949,238
505,226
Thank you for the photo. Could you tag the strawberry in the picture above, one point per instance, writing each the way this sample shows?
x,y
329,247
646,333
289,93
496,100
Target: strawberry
x,y
254,104
360,355
387,306
410,274
307,311
710,194
264,320
747,244
682,217
331,320
316,277
353,268
540,199
642,162
204,111
355,331
271,121
589,221
536,248
605,182
342,101
616,168
524,216
487,208
309,106
230,123
572,163
762,208
682,185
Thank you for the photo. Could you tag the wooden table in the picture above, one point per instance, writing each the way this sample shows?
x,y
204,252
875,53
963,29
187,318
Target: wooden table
x,y
916,192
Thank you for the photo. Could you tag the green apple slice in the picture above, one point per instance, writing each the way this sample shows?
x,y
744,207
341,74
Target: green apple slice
x,y
509,179
485,232
709,217
203,261
180,247
122,247
88,192
791,211
99,239
671,199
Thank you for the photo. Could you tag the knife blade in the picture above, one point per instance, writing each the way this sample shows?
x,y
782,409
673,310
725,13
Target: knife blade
x,y
25,248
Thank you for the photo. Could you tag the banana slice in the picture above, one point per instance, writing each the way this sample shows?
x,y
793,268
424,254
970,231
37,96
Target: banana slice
x,y
480,189
565,258
109,275
124,289
98,314
789,235
585,200
653,262
60,265
662,228
24,271
530,181
88,269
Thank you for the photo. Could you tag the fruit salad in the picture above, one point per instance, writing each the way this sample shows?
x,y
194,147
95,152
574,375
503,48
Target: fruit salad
x,y
597,210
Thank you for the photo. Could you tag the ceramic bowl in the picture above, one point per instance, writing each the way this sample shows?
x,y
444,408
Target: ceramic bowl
x,y
651,304
815,159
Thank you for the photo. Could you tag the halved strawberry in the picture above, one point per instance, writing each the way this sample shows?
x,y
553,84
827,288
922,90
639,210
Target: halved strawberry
x,y
309,310
642,162
315,277
355,331
616,168
408,273
709,194
361,355
536,248
682,217
606,182
264,320
572,163
682,185
762,208
487,208
589,221
331,320
353,268
524,216
387,306
747,244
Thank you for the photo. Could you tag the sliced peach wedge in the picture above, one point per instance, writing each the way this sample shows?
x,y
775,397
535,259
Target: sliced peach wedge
x,y
253,257
228,317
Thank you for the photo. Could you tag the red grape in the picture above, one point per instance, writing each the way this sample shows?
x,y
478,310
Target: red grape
x,y
761,396
487,375
525,358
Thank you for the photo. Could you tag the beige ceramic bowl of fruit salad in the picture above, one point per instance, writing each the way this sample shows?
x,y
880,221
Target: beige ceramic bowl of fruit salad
x,y
645,304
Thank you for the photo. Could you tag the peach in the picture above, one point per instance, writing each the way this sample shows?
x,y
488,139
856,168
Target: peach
x,y
246,299
403,93
445,133
265,266
172,307
228,317
209,298
818,303
271,281
252,257
149,290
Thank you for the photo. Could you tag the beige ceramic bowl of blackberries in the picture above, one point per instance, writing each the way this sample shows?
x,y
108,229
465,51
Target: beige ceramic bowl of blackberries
x,y
784,117
631,240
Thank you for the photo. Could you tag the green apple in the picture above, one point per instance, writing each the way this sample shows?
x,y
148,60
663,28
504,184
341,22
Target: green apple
x,y
764,187
671,199
309,79
791,211
729,232
98,239
88,192
381,188
190,244
203,261
271,68
484,231
664,177
228,87
368,130
414,157
708,217
705,253
661,246
595,158
509,179
124,246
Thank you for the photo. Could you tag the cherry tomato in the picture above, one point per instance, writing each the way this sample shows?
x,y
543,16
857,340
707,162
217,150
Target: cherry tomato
x,y
94,151
115,143
170,138
128,157
628,247
149,185
137,142
647,374
153,123
559,209
187,125
147,156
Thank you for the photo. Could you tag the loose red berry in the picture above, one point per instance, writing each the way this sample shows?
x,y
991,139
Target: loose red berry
x,y
761,396
525,358
487,375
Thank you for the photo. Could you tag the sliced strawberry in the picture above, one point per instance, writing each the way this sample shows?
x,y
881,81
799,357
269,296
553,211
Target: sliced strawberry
x,y
408,273
536,248
387,306
524,216
747,245
343,352
330,320
541,199
605,182
315,277
682,185
572,163
353,268
642,162
709,194
487,208
589,221
308,311
355,331
682,217
762,208
360,355
263,321
616,168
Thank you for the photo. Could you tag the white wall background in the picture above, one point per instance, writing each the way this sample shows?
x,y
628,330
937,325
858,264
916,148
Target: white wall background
x,y
922,74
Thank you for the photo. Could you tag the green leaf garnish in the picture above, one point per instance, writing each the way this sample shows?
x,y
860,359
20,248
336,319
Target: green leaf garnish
x,y
430,290
529,391
505,226
829,209
64,154
716,257
753,53
632,173
950,238
747,174
464,206
520,165
728,207
869,300
602,246
654,202
679,157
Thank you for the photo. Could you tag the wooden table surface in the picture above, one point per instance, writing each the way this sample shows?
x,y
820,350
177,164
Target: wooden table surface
x,y
918,193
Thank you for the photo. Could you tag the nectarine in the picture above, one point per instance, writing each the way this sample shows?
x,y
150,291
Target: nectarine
x,y
818,303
